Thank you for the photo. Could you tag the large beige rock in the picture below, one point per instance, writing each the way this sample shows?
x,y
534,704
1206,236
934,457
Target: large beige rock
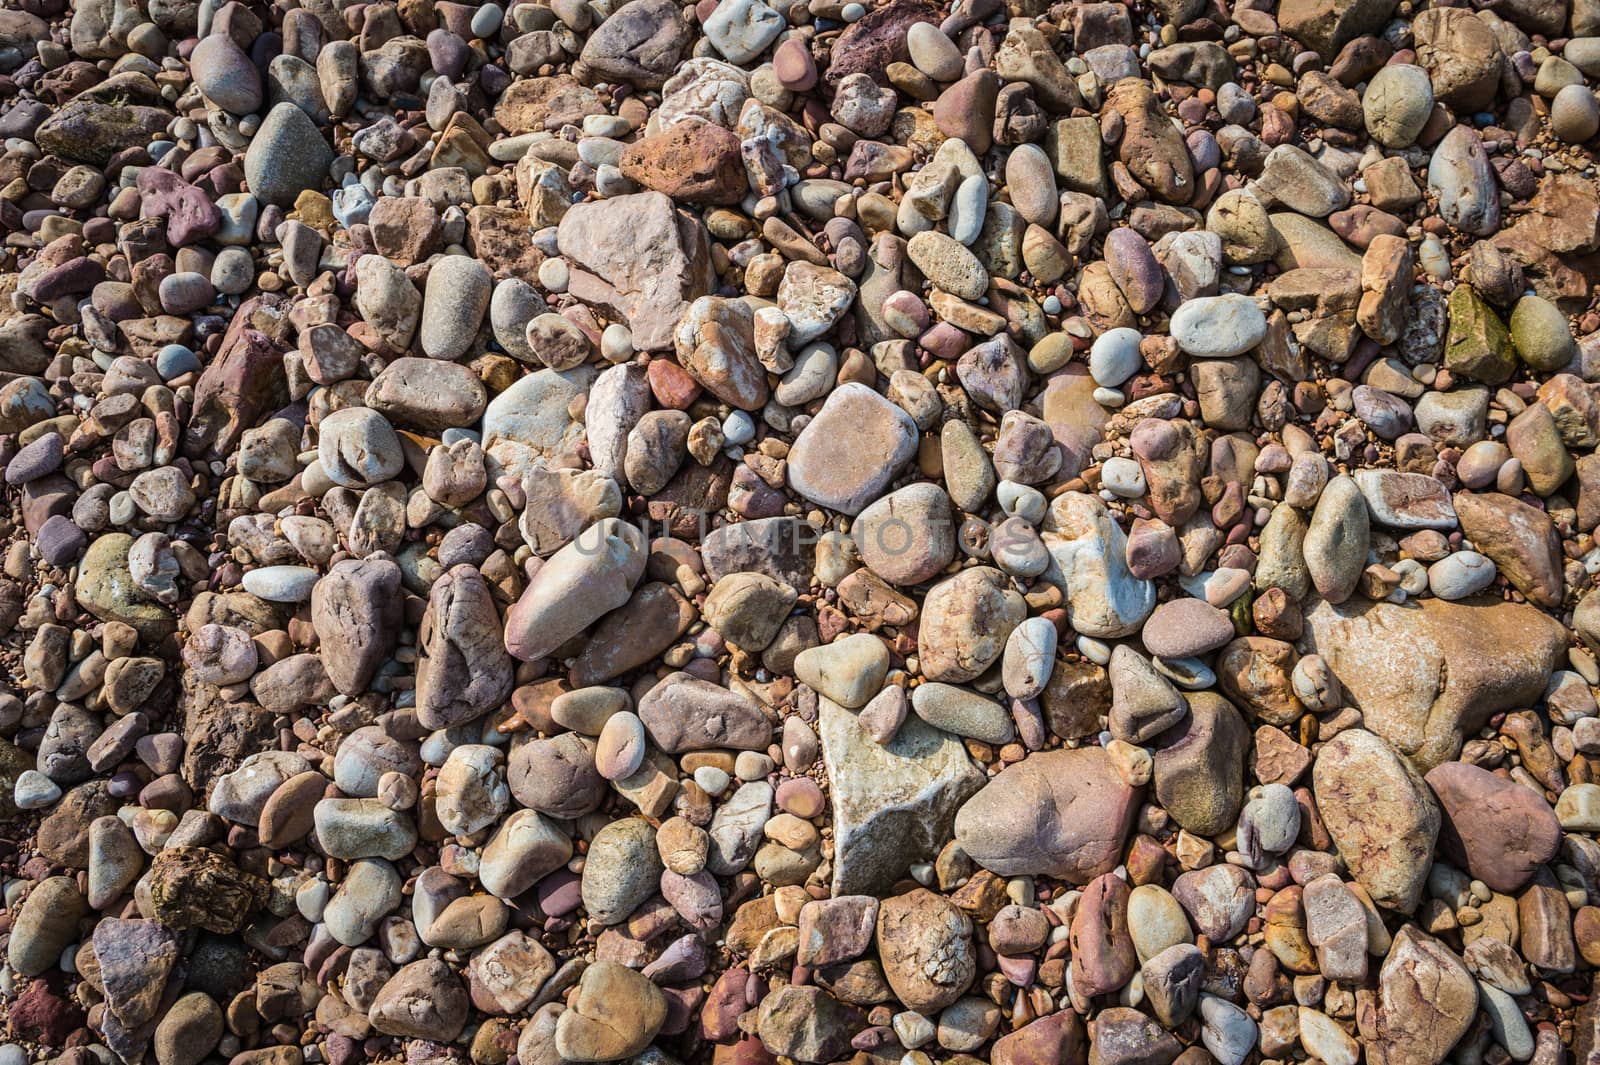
x,y
1381,815
639,257
1426,1001
615,1015
925,945
1426,674
424,1000
851,449
1325,26
464,671
966,621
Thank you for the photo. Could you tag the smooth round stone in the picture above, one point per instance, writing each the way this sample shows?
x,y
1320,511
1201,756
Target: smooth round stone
x,y
122,508
225,74
1481,462
358,447
1031,182
752,765
712,781
738,428
281,584
906,314
36,460
1190,674
287,155
233,272
312,899
1018,549
810,378
1274,818
968,207
1123,477
1050,353
1235,105
933,52
620,750
853,12
587,710
175,360
236,218
1114,356
555,275
793,66
453,305
1397,103
1506,1021
799,796
1029,658
185,293
1578,808
35,791
1226,1030
1463,574
60,540
1096,651
1218,327
616,343
948,264
1584,53
1575,114
1156,921
1433,257
1134,269
1203,148
1021,501
1554,75
1541,335
962,712
486,21
908,536
1413,576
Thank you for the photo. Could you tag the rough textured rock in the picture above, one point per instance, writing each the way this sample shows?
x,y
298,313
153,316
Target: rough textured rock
x,y
893,804
1426,675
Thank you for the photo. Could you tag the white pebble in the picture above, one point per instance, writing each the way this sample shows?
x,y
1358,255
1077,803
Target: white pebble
x,y
712,781
281,584
35,791
616,343
738,428
1123,476
1094,650
554,275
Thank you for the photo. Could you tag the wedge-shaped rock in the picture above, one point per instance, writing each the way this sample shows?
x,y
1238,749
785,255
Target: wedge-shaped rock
x,y
893,804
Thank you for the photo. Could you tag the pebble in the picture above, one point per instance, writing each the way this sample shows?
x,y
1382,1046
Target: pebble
x,y
438,494
1218,326
1114,357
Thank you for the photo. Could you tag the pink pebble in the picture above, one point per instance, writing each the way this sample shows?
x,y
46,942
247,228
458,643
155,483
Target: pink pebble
x,y
793,65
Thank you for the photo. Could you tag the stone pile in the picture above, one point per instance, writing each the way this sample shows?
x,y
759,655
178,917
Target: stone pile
x,y
799,531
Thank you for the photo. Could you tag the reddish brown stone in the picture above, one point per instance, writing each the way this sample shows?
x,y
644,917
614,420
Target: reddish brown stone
x,y
693,162
1500,830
